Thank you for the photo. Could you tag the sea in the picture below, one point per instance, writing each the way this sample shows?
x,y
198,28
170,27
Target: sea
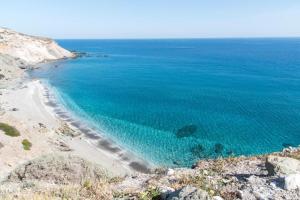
x,y
173,102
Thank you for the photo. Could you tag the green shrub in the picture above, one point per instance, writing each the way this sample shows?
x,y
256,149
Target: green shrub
x,y
9,130
152,193
26,144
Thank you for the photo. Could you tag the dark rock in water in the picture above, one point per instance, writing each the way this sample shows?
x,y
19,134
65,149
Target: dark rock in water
x,y
219,148
229,152
102,56
176,162
186,131
287,145
79,54
198,151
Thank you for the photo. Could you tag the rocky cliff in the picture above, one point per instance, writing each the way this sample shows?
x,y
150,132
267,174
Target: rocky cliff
x,y
30,49
19,52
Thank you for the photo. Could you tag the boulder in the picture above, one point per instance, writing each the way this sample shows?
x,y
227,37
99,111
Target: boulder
x,y
165,191
57,169
282,165
292,182
189,193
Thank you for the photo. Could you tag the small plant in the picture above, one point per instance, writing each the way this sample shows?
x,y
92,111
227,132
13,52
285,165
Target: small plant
x,y
9,130
26,144
151,193
87,184
116,179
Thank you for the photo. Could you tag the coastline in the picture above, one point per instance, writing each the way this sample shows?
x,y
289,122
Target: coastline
x,y
97,140
28,107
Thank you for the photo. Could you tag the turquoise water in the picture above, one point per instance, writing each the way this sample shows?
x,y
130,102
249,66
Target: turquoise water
x,y
176,101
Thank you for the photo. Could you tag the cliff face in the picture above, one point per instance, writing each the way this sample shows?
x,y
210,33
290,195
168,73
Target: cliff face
x,y
19,51
30,49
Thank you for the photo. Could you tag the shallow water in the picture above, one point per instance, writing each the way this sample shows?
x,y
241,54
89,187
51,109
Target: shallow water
x,y
176,101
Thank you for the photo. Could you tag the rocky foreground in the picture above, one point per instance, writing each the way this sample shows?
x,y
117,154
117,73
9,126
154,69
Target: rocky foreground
x,y
274,176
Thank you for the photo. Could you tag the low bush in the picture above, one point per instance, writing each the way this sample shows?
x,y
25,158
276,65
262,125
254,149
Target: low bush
x,y
9,130
26,144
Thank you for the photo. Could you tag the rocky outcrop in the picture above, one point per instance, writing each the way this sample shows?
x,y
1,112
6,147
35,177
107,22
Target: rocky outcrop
x,y
292,182
227,179
10,70
189,193
282,165
19,51
30,49
57,169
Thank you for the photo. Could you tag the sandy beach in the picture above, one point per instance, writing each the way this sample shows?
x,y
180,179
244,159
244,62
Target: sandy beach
x,y
28,108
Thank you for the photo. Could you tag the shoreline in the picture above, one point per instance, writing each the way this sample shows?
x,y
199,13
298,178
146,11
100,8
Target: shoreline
x,y
98,140
28,107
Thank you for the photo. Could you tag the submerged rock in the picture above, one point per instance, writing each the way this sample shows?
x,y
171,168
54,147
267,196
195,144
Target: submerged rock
x,y
219,148
287,145
186,131
198,151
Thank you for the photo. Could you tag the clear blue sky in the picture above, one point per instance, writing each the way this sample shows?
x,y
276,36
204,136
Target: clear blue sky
x,y
152,18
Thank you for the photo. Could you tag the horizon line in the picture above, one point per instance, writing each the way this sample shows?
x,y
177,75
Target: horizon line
x,y
185,38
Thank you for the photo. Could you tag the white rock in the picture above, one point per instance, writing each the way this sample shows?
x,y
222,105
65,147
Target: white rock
x,y
282,165
292,182
30,49
165,191
273,185
259,196
170,172
240,194
217,198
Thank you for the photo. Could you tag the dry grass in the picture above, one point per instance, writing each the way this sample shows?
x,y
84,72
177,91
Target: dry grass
x,y
88,190
293,154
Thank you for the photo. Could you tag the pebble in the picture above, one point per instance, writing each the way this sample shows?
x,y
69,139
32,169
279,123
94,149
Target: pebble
x,y
217,198
273,185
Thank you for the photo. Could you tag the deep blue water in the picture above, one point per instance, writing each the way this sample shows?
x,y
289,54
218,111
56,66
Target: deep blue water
x,y
176,101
